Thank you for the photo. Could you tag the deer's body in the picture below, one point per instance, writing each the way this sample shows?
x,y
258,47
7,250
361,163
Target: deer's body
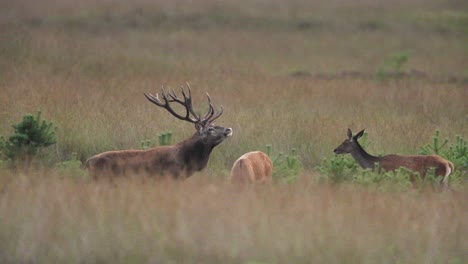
x,y
417,163
252,167
178,161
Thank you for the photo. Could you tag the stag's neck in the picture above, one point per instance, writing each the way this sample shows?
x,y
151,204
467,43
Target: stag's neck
x,y
364,159
194,153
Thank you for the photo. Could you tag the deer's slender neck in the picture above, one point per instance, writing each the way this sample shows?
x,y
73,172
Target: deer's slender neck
x,y
364,159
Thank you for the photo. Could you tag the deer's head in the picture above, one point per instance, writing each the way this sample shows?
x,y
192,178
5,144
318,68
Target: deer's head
x,y
350,143
209,133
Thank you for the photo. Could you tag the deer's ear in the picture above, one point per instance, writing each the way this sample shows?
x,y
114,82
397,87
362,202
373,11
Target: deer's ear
x,y
350,134
359,135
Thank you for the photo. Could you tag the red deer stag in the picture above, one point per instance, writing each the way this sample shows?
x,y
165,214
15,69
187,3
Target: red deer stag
x,y
252,167
416,163
179,161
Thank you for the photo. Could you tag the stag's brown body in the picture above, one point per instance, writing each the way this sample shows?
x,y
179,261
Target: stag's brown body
x,y
178,161
417,163
252,167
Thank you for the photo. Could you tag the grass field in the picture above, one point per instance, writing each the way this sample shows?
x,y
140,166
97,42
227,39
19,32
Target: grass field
x,y
290,74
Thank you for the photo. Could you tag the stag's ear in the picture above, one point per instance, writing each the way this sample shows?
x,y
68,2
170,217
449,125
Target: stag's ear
x,y
350,134
359,135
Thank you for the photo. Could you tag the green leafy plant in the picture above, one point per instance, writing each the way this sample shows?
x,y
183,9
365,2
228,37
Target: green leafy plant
x,y
337,169
286,168
397,61
30,136
436,147
164,139
340,168
393,66
429,181
386,181
146,144
73,166
456,152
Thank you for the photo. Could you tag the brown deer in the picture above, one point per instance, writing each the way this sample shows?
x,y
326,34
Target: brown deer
x,y
252,167
178,161
416,163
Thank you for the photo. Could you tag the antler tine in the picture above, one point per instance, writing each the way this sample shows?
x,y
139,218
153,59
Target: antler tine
x,y
211,116
188,101
154,99
221,110
210,110
172,97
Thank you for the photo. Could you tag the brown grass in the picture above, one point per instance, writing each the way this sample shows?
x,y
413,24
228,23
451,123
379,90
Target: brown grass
x,y
205,221
278,69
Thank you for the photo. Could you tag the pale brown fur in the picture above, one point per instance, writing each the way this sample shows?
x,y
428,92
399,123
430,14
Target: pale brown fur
x,y
418,163
252,167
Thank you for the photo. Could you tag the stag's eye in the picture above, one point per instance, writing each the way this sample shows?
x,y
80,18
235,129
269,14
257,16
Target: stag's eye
x,y
211,129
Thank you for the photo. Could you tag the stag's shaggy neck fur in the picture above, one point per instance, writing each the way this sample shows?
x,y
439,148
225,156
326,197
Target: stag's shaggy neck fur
x,y
194,154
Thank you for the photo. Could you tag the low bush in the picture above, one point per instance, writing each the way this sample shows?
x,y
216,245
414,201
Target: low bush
x,y
286,168
29,138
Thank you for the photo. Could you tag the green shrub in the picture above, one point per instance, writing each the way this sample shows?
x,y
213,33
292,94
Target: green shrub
x,y
387,181
71,167
146,144
392,66
30,136
339,168
456,152
164,139
436,147
286,168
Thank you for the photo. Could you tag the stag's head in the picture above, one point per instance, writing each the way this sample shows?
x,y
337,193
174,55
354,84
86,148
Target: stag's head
x,y
350,143
206,130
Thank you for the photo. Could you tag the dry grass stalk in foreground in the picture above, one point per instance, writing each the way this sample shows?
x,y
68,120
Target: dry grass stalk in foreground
x,y
206,220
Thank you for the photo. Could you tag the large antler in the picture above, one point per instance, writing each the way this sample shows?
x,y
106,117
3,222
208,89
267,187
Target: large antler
x,y
211,116
171,97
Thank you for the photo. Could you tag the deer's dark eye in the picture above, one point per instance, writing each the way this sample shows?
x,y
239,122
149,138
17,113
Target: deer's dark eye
x,y
211,129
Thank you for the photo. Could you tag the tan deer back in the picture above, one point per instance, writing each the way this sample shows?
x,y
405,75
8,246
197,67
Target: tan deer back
x,y
252,167
418,163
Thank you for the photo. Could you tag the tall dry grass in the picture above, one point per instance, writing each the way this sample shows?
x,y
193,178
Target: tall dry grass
x,y
204,221
86,67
